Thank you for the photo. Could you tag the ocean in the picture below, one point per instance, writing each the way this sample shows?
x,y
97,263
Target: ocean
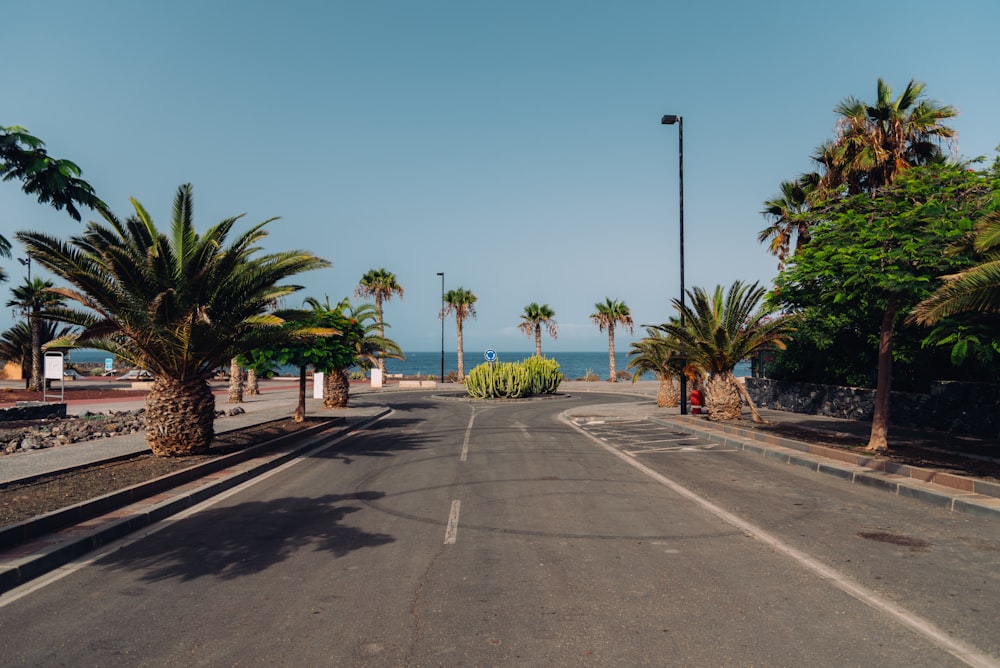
x,y
572,365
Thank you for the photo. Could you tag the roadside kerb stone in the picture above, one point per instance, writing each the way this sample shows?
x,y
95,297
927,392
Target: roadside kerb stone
x,y
28,560
945,490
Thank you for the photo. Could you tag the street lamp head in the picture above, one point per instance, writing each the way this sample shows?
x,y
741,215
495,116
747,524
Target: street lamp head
x,y
670,119
23,261
440,273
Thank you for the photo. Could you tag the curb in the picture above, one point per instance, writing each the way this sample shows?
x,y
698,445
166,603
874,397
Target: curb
x,y
85,528
944,490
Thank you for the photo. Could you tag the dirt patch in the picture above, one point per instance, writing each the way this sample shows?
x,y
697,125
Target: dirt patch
x,y
928,449
22,501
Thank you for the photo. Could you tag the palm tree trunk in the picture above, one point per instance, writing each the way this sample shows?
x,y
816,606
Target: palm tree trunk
x,y
37,365
461,351
878,440
180,417
754,415
235,382
668,394
722,397
253,388
336,389
612,370
538,340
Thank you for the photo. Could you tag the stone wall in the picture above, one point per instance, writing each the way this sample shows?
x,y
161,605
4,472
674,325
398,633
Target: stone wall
x,y
971,409
32,410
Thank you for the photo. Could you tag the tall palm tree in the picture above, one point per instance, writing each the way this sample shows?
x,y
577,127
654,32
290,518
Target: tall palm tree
x,y
719,330
875,142
785,213
381,285
533,318
175,302
33,298
607,315
974,289
462,303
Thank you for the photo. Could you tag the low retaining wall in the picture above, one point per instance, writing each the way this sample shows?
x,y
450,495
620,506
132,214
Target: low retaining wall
x,y
34,410
958,408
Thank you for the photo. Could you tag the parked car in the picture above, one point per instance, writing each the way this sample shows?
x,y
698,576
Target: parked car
x,y
71,374
136,375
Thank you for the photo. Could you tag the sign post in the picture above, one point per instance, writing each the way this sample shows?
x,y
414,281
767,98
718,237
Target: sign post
x,y
54,371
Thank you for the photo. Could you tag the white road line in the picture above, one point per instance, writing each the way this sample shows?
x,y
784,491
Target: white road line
x,y
939,637
468,434
451,531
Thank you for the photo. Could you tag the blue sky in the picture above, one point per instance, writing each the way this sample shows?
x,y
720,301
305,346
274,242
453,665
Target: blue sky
x,y
515,146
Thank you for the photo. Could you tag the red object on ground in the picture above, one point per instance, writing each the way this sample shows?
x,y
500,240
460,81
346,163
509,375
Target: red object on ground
x,y
696,402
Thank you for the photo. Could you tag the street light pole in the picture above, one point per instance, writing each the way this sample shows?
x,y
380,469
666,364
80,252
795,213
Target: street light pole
x,y
670,119
27,263
441,274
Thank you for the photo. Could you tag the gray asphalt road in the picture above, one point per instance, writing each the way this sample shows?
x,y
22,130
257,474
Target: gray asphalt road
x,y
473,534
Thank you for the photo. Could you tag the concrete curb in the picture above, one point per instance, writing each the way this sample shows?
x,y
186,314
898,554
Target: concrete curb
x,y
944,490
141,505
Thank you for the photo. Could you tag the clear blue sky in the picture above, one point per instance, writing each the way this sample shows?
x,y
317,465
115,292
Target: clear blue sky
x,y
515,146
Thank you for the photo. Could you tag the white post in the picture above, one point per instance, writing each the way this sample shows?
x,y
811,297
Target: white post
x,y
376,378
318,385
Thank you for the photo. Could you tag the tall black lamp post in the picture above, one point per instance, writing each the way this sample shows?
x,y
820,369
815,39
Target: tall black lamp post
x,y
441,274
670,119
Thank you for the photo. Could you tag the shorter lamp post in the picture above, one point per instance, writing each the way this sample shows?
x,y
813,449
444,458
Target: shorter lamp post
x,y
27,263
441,274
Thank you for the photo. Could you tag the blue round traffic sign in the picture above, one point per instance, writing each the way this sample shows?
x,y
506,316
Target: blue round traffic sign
x,y
491,355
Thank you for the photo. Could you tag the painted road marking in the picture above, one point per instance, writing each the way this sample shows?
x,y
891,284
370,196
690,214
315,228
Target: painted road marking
x,y
451,531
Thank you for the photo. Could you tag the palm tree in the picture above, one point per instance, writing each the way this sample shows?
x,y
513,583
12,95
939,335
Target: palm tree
x,y
607,315
875,142
16,342
656,354
461,302
785,213
33,298
370,348
719,331
178,303
381,285
974,289
533,318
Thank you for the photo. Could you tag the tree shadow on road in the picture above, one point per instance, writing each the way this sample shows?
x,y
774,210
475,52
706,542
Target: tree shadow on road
x,y
229,542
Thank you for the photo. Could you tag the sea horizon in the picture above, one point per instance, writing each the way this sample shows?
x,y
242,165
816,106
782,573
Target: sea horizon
x,y
573,365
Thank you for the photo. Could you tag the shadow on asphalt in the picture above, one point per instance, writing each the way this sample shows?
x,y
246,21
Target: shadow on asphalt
x,y
230,542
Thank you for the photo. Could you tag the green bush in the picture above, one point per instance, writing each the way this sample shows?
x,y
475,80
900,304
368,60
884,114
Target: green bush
x,y
513,380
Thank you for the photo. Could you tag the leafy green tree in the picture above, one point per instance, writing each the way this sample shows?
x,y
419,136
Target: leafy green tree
x,y
882,252
51,180
380,285
606,316
532,320
462,303
976,288
178,303
719,330
33,298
